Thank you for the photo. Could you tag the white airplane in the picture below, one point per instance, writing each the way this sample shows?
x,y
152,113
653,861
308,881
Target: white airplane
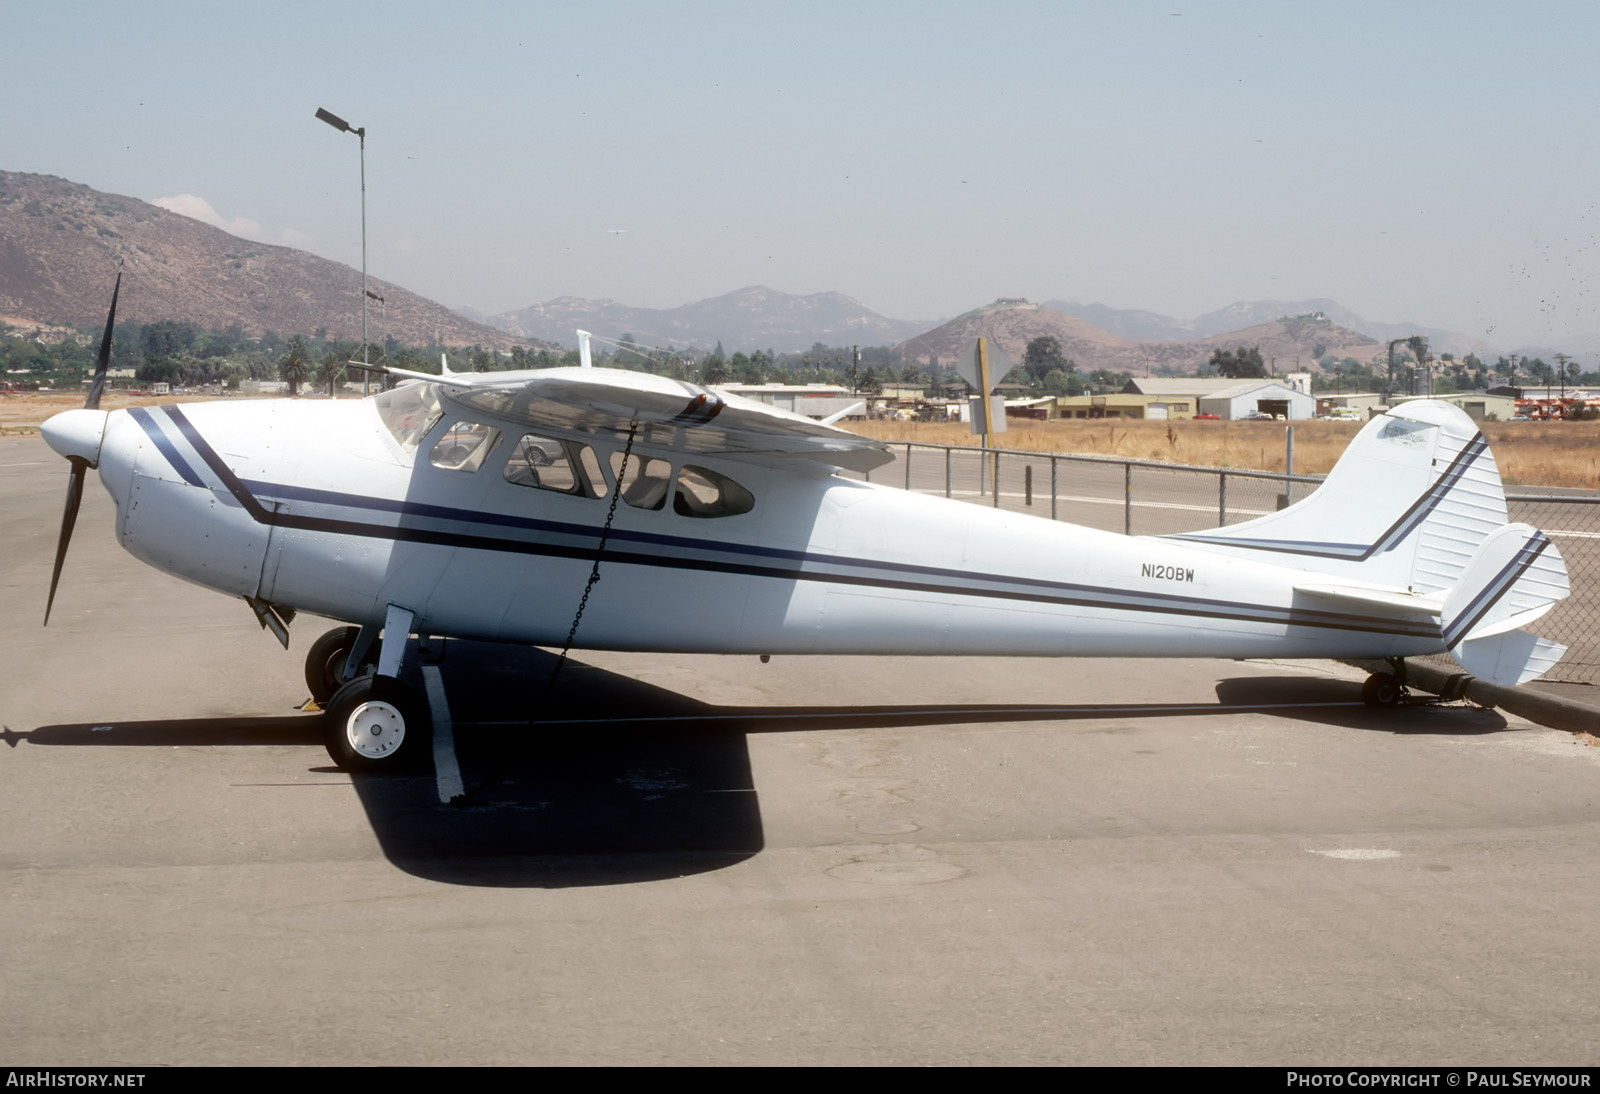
x,y
486,506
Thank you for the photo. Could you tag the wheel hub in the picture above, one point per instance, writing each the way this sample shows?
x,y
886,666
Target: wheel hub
x,y
375,729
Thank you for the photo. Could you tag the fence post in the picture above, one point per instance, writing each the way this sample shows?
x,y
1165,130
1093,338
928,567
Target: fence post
x,y
908,465
1286,499
1222,499
1052,488
994,480
1127,499
1027,485
947,471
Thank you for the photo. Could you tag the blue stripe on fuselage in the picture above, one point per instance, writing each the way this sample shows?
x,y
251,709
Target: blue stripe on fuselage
x,y
784,564
164,445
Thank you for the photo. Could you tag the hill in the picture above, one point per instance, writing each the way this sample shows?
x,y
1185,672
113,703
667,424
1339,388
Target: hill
x,y
60,242
1152,326
746,319
1013,325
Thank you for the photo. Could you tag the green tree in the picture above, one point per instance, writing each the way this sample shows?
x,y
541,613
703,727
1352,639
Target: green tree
x,y
294,366
1043,356
1103,380
1061,382
332,369
713,371
1238,363
166,337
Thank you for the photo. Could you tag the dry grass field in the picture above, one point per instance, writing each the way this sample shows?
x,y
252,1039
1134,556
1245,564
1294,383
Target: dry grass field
x,y
22,413
1529,453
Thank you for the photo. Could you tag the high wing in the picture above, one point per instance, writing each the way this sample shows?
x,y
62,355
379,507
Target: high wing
x,y
668,413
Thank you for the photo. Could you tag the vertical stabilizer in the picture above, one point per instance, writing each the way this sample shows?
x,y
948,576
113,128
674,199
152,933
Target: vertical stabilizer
x,y
1406,506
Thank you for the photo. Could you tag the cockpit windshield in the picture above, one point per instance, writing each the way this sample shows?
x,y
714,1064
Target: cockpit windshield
x,y
409,411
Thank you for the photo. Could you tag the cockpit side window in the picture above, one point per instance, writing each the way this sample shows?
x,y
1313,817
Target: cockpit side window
x,y
408,412
702,492
463,446
644,485
549,463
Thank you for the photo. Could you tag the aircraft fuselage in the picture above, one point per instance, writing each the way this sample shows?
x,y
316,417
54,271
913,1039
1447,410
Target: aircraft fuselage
x,y
317,506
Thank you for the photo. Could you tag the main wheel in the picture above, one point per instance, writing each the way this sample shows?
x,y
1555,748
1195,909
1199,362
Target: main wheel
x,y
1382,690
326,659
376,723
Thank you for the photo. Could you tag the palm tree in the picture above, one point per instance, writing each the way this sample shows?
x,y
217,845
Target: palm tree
x,y
332,369
713,371
292,366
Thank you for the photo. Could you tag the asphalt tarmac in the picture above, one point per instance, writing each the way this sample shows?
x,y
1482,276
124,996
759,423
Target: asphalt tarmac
x,y
708,860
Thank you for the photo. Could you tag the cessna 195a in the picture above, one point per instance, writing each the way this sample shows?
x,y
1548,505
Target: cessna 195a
x,y
481,506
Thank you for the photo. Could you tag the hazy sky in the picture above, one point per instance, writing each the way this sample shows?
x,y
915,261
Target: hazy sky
x,y
1435,163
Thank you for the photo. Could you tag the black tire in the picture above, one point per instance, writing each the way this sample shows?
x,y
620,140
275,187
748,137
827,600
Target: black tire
x,y
326,658
1382,690
376,723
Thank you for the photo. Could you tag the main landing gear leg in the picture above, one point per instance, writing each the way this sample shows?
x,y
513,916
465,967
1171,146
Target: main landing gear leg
x,y
377,723
1386,689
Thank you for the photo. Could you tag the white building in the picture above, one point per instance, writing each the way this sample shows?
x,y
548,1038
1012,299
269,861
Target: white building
x,y
1246,397
811,400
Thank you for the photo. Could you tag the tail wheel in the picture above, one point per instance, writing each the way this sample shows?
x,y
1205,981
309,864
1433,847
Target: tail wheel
x,y
376,723
326,659
1382,690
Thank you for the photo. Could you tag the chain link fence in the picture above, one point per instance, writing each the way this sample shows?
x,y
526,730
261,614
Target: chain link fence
x,y
1142,498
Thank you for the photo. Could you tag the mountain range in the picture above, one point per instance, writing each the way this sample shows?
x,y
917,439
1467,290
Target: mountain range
x,y
758,317
1148,326
60,243
1287,345
747,319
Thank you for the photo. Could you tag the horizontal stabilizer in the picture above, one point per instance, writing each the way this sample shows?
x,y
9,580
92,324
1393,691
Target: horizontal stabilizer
x,y
1508,659
1396,601
1513,578
852,409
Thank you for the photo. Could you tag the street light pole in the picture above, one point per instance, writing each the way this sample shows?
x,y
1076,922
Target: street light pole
x,y
361,133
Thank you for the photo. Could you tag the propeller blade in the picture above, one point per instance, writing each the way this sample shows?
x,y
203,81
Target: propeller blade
x,y
104,361
68,519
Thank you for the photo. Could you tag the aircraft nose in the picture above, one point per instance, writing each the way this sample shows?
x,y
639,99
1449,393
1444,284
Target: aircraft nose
x,y
76,434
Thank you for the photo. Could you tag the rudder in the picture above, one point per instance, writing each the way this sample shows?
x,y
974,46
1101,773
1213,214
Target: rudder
x,y
1515,577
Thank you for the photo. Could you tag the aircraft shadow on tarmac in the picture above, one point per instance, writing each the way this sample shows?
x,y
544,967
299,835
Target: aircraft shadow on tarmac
x,y
621,781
